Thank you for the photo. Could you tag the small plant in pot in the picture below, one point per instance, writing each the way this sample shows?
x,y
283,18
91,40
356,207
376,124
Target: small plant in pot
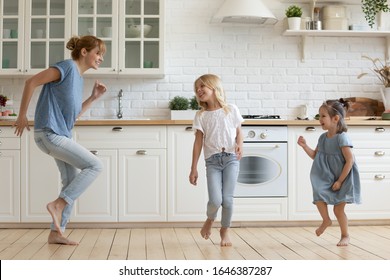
x,y
194,105
179,106
293,14
371,8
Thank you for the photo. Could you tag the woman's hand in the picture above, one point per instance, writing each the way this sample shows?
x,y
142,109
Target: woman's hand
x,y
336,186
20,124
98,90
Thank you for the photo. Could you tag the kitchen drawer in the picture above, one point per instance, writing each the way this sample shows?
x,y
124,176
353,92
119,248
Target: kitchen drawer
x,y
121,137
373,160
370,137
9,143
7,131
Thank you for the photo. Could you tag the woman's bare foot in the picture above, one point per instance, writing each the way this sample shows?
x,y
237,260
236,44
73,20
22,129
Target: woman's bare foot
x,y
344,241
58,238
206,229
320,230
55,209
225,240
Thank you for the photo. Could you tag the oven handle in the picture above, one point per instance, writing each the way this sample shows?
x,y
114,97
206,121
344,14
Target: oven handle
x,y
263,147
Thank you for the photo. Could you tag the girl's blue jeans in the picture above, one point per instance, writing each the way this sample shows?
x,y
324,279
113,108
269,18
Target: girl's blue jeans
x,y
78,167
222,172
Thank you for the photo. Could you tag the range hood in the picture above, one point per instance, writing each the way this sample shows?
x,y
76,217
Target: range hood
x,y
244,11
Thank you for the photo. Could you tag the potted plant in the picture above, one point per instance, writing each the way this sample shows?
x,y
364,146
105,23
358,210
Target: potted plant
x,y
194,105
382,71
371,8
293,14
180,106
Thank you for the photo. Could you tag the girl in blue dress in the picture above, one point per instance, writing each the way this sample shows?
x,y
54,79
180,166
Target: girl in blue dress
x,y
334,174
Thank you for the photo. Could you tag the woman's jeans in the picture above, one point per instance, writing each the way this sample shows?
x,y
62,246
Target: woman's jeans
x,y
70,158
222,172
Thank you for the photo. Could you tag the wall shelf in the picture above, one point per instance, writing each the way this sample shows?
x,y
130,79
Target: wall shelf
x,y
337,33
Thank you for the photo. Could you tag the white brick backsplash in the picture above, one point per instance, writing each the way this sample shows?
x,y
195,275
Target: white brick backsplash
x,y
261,69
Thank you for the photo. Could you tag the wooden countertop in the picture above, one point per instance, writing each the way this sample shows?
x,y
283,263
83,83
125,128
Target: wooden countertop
x,y
353,121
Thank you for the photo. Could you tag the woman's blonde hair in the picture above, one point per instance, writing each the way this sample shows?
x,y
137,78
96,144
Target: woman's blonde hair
x,y
213,82
88,42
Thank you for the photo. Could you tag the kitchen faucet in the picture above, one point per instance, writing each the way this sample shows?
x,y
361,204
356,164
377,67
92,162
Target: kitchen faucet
x,y
120,95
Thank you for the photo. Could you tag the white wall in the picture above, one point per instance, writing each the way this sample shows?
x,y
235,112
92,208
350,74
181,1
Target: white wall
x,y
261,70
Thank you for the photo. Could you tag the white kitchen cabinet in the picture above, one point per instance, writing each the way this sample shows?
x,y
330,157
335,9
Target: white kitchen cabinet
x,y
372,154
99,202
41,182
39,32
117,22
133,188
10,176
142,181
186,202
300,194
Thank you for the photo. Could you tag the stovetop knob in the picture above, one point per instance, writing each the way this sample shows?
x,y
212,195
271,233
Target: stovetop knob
x,y
251,134
263,135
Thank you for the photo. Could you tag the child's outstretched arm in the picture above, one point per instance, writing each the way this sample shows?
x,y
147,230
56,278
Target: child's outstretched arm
x,y
348,156
309,151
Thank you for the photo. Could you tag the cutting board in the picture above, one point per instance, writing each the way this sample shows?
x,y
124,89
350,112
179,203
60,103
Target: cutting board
x,y
363,106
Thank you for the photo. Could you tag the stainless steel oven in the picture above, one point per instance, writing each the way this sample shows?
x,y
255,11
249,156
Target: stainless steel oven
x,y
263,167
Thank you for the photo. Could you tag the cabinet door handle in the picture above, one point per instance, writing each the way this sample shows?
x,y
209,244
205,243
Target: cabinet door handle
x,y
380,129
1,154
310,128
94,152
0,143
117,128
142,152
380,153
380,177
189,128
1,131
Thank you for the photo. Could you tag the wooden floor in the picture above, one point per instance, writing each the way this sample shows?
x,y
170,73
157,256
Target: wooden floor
x,y
249,243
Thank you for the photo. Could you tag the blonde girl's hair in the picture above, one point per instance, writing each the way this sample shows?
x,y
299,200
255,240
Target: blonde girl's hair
x,y
337,107
213,82
88,42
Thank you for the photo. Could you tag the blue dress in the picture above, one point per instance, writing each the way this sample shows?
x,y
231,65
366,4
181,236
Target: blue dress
x,y
326,169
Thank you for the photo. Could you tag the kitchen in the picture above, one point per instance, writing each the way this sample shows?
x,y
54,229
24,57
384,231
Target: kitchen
x,y
262,71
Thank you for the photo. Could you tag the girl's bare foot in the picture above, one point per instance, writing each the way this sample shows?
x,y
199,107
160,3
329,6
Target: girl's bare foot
x,y
225,240
55,209
344,241
320,230
57,238
206,229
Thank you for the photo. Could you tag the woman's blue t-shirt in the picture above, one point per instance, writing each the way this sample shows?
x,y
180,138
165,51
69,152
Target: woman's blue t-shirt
x,y
60,102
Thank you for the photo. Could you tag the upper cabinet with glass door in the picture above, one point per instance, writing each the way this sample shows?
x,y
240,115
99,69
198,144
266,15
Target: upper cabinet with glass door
x,y
11,25
99,18
142,27
48,26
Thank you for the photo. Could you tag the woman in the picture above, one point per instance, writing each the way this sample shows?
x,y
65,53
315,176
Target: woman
x,y
59,105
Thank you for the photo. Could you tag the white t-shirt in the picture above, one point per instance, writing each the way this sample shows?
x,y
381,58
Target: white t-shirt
x,y
219,129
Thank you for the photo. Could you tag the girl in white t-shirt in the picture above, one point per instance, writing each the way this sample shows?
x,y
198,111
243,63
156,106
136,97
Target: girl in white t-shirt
x,y
218,132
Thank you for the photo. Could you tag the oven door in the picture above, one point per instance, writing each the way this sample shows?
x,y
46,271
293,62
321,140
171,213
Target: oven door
x,y
263,170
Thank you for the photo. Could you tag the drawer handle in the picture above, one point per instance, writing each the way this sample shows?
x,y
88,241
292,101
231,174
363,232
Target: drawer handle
x,y
310,128
380,129
189,128
142,152
94,152
380,177
117,128
1,154
380,153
